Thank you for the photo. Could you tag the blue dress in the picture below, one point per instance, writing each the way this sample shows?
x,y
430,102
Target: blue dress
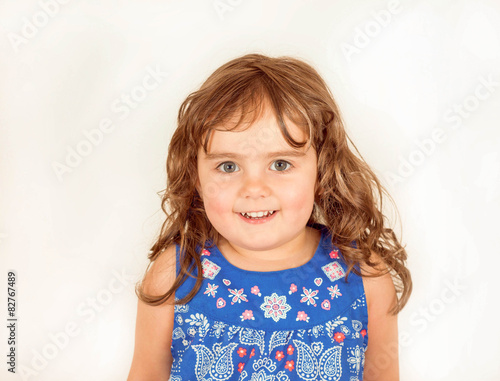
x,y
303,323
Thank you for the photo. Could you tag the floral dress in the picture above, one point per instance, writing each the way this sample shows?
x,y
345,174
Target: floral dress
x,y
304,323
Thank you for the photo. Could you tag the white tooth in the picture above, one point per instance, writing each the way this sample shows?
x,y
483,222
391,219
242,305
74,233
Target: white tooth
x,y
258,214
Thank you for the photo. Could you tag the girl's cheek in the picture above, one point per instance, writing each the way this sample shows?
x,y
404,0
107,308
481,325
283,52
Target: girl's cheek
x,y
216,209
214,189
298,192
217,197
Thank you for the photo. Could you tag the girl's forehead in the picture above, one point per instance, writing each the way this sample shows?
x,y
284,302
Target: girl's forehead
x,y
262,133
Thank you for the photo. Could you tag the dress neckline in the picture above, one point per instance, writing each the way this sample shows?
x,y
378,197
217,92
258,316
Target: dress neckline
x,y
323,232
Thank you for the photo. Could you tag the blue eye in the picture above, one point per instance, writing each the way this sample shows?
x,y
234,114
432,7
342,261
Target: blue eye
x,y
281,165
228,167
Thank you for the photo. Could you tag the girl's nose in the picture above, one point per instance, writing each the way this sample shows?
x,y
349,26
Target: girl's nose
x,y
255,186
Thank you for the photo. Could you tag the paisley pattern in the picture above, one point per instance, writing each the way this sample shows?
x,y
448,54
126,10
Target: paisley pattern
x,y
306,323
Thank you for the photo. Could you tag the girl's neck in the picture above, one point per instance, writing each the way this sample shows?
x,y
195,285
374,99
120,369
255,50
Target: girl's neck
x,y
304,247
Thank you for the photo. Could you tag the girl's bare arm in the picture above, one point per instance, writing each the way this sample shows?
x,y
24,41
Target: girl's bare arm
x,y
153,333
381,357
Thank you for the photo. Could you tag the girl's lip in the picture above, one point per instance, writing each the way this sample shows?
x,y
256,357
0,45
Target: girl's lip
x,y
262,220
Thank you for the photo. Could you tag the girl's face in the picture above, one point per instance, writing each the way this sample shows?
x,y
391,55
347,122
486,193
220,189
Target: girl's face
x,y
255,171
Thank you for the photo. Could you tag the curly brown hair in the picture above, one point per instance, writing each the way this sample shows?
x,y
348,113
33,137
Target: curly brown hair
x,y
349,196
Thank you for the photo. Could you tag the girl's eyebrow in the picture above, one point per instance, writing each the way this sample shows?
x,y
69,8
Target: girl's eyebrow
x,y
234,155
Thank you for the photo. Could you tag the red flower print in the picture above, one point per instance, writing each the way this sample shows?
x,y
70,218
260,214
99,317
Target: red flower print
x,y
255,290
290,365
252,353
302,316
242,352
363,332
293,288
247,315
334,254
279,355
241,366
339,337
205,252
289,350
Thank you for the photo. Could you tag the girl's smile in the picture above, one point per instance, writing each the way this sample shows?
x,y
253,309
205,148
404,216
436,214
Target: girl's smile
x,y
258,217
257,190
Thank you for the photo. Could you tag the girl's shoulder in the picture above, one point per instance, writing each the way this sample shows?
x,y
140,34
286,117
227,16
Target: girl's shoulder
x,y
379,287
162,272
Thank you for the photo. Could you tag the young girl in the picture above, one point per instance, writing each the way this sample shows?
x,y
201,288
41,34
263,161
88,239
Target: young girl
x,y
274,262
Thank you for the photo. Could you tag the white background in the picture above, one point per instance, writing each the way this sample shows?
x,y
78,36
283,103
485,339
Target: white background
x,y
400,71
